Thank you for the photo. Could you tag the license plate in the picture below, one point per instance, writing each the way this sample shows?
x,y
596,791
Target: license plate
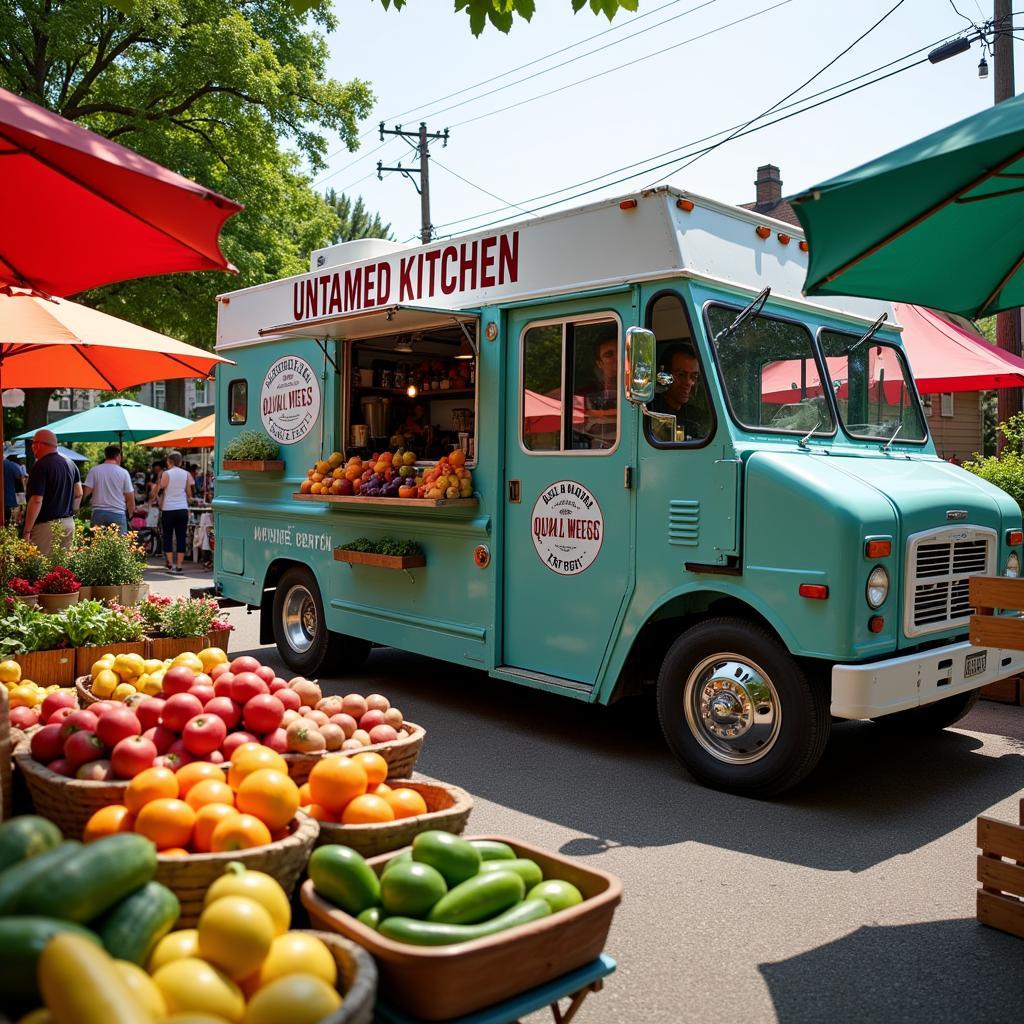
x,y
974,664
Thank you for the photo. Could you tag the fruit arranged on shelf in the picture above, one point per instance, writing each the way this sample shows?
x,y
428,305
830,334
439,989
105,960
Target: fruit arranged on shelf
x,y
352,791
448,479
442,890
121,676
390,475
30,702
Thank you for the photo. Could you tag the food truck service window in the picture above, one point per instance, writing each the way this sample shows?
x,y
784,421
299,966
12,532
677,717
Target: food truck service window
x,y
579,358
238,401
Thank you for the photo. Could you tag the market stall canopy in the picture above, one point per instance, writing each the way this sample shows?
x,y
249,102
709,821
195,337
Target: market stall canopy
x,y
18,450
117,418
195,435
79,210
371,323
936,223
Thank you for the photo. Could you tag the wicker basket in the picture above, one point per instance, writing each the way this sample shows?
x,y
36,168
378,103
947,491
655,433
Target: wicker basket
x,y
400,755
85,695
86,656
448,809
357,979
190,876
6,768
68,803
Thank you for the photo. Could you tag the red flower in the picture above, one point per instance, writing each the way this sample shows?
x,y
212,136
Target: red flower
x,y
59,581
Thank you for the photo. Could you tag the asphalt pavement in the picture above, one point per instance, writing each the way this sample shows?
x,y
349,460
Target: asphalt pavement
x,y
849,900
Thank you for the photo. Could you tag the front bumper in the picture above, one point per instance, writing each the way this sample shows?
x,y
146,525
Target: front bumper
x,y
896,684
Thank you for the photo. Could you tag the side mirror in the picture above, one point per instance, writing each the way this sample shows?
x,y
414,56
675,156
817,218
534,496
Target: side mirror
x,y
640,356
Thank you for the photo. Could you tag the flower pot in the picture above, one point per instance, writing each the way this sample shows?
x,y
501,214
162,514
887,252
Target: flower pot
x,y
161,647
55,602
131,594
84,593
29,599
106,593
219,638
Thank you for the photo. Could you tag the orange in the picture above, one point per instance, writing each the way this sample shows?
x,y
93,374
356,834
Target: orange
x,y
380,788
174,851
335,780
166,822
188,775
367,809
209,791
151,784
406,803
108,820
238,833
251,757
320,813
269,795
305,796
208,817
374,765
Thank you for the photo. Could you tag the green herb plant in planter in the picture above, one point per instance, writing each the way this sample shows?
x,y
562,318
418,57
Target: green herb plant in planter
x,y
252,450
94,629
24,630
184,625
114,564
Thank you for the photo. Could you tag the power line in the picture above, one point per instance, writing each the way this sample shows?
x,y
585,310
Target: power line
x,y
479,188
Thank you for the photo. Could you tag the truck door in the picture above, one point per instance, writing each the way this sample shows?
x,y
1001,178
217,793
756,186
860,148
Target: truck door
x,y
568,520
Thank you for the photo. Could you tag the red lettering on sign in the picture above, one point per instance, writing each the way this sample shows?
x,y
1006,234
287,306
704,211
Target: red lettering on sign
x,y
508,259
368,284
431,259
298,306
353,285
383,283
448,284
467,266
335,303
405,293
311,303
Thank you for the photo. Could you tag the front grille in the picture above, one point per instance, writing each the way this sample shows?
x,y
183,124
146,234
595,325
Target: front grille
x,y
939,565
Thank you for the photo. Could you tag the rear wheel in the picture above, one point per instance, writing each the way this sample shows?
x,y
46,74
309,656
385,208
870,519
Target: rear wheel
x,y
932,717
300,629
738,711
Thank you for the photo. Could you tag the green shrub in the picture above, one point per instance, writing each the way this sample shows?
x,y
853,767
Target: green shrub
x,y
252,445
1005,471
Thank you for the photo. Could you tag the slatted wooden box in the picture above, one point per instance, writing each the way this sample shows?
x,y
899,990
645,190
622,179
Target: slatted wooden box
x,y
1001,874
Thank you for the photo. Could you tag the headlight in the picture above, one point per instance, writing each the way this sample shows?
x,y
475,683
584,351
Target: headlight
x,y
1012,565
878,587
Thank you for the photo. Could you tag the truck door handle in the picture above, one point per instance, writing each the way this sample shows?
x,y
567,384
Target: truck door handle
x,y
514,496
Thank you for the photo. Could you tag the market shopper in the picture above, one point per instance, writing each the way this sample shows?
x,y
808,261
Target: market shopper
x,y
175,495
54,489
14,484
110,488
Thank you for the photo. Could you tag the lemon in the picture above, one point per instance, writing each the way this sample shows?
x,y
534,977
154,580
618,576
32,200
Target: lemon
x,y
174,946
296,998
152,664
255,885
122,691
129,666
189,660
191,985
150,686
23,696
142,987
10,672
235,934
104,683
211,657
298,953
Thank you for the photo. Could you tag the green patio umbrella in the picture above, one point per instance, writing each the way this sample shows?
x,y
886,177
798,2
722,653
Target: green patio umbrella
x,y
939,222
118,418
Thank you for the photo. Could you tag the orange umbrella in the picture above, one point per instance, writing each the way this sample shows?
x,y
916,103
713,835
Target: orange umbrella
x,y
195,435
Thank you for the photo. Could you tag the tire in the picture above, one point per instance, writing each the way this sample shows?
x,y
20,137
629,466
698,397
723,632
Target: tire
x,y
932,717
300,629
781,715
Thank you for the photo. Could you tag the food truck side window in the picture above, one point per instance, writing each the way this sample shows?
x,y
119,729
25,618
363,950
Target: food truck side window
x,y
238,401
586,355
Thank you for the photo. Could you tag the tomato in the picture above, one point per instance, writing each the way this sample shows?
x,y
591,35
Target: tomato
x,y
47,744
296,998
203,734
117,725
235,934
178,679
149,712
262,713
79,721
179,709
191,985
254,885
224,708
247,685
82,747
269,795
131,756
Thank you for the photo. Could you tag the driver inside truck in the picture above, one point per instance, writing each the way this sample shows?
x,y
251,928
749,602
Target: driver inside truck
x,y
682,397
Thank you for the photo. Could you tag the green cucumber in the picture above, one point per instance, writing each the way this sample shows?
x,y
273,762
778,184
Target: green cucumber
x,y
21,941
371,917
453,856
342,876
43,866
479,898
24,837
93,879
133,926
491,849
528,870
399,858
433,933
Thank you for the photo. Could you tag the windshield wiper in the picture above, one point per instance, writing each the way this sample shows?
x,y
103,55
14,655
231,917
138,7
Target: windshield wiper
x,y
871,331
803,440
755,307
888,444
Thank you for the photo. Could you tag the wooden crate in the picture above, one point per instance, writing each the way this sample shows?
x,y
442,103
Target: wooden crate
x,y
1000,901
1006,691
381,561
86,657
988,593
254,465
48,667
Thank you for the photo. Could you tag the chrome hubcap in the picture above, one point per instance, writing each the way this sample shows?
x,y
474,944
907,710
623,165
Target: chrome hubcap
x,y
299,619
732,708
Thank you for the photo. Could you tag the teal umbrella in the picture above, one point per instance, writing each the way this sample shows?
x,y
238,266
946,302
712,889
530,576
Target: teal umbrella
x,y
118,418
937,222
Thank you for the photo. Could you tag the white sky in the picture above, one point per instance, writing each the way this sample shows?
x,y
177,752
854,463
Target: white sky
x,y
426,51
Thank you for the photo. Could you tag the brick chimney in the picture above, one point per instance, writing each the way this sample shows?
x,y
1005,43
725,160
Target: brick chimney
x,y
769,186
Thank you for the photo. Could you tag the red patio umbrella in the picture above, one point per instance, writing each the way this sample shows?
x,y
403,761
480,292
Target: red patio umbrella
x,y
79,210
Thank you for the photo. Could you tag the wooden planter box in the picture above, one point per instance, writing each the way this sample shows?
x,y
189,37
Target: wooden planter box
x,y
162,647
357,499
381,561
254,465
219,638
86,656
1001,874
1006,691
48,667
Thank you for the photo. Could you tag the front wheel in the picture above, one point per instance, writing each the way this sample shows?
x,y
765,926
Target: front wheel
x,y
300,629
931,717
738,711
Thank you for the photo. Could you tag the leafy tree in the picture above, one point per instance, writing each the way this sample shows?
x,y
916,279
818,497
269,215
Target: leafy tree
x,y
354,221
234,95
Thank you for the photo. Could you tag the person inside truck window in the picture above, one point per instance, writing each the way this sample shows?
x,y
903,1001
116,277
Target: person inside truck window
x,y
684,398
600,398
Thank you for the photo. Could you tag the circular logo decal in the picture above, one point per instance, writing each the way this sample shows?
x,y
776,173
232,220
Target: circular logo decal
x,y
567,527
290,400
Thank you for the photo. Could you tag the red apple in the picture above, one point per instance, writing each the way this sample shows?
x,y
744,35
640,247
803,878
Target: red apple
x,y
178,679
60,716
345,487
277,683
24,718
180,751
224,708
61,767
104,705
117,725
276,740
246,686
223,683
289,698
218,670
347,722
131,756
244,664
47,744
79,721
94,771
179,709
57,700
202,679
371,719
81,747
204,691
266,673
161,737
149,712
383,734
235,740
204,733
262,713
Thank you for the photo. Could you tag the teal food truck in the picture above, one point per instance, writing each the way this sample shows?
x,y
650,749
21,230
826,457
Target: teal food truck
x,y
684,475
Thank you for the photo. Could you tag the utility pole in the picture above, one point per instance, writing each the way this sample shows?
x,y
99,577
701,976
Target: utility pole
x,y
422,151
1008,322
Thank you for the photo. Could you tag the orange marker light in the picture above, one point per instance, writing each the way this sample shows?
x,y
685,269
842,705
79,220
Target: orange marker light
x,y
783,238
815,591
627,204
685,205
762,231
1014,537
876,623
878,549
